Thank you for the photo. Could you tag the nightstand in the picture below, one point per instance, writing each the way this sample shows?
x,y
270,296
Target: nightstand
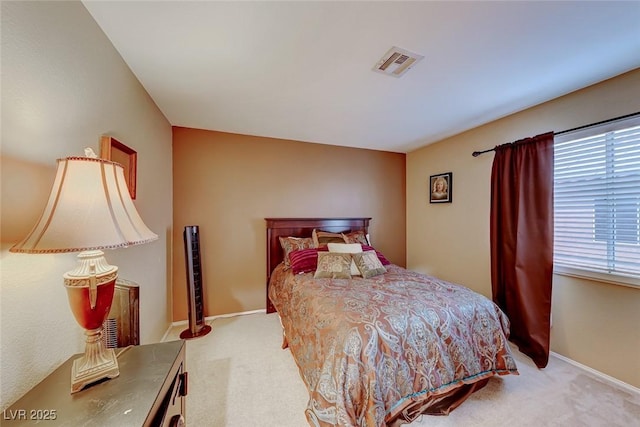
x,y
150,391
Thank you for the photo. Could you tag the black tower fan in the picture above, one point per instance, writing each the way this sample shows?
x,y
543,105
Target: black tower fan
x,y
197,325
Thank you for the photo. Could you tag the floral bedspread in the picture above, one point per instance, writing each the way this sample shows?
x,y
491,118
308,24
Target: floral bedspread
x,y
368,348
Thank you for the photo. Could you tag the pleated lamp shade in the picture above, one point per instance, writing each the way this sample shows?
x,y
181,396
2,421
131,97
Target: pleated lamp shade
x,y
89,208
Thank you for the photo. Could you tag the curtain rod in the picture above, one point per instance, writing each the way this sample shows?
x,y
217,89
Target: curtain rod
x,y
477,153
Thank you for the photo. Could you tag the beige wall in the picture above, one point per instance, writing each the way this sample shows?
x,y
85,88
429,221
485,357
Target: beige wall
x,y
63,86
595,324
227,184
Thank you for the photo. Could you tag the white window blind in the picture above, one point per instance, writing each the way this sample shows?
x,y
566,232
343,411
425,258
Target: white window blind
x,y
597,199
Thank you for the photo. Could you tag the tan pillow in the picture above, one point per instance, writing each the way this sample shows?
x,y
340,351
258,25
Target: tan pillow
x,y
290,244
321,238
347,248
356,237
333,265
368,264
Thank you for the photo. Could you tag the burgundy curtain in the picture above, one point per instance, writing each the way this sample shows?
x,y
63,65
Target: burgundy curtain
x,y
522,241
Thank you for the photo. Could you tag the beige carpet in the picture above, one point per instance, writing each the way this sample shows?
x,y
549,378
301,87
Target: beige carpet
x,y
240,377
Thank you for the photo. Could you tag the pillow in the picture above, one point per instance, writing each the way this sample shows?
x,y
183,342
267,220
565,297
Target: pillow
x,y
332,265
321,238
381,257
356,237
290,244
368,264
305,260
347,248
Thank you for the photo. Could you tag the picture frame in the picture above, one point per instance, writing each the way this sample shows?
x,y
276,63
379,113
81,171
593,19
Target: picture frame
x,y
441,188
116,151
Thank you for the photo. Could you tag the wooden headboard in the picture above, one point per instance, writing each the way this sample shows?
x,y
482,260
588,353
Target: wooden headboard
x,y
302,227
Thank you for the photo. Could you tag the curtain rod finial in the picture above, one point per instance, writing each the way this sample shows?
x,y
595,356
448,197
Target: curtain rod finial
x,y
477,153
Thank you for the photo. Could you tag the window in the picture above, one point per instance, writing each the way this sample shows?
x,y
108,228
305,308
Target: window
x,y
597,201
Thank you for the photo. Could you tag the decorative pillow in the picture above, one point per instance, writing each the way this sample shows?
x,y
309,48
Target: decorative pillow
x,y
332,265
347,248
356,237
381,257
321,238
290,244
305,260
368,264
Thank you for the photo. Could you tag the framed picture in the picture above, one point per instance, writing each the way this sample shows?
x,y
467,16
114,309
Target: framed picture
x,y
116,151
441,188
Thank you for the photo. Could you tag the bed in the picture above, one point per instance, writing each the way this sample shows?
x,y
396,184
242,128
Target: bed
x,y
383,350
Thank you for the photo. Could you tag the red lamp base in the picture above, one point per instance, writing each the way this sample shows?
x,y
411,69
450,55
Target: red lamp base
x,y
90,290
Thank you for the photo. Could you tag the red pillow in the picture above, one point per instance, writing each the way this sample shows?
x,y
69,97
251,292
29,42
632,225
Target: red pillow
x,y
383,260
305,260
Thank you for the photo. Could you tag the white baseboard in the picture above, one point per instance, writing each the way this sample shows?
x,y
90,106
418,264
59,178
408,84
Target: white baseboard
x,y
610,379
209,318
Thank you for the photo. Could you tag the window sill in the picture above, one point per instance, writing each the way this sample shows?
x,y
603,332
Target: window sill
x,y
614,279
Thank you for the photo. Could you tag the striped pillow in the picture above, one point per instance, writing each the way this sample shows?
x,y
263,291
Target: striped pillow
x,y
305,260
321,238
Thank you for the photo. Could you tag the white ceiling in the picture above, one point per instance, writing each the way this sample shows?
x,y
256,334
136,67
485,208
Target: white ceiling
x,y
303,70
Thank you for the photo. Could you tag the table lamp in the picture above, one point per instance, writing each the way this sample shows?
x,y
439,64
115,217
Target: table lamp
x,y
89,209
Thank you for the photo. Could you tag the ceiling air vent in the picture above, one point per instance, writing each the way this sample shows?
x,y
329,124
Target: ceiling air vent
x,y
396,62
